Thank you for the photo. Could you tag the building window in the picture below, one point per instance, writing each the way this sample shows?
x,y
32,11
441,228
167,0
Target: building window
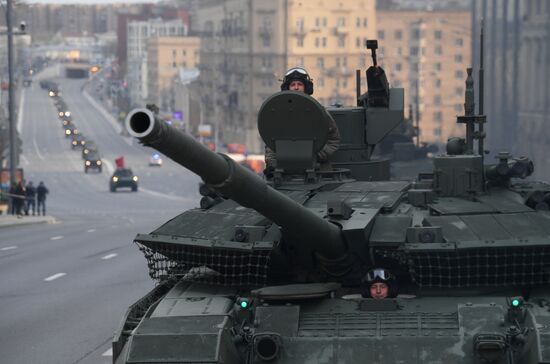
x,y
341,22
321,81
341,42
174,65
397,83
320,63
413,51
324,42
458,58
357,42
459,74
437,83
437,132
266,42
362,62
358,22
438,116
184,52
398,34
458,108
380,34
414,67
174,52
300,42
437,66
345,83
398,51
459,91
325,22
397,67
300,24
459,42
415,34
437,100
438,34
317,22
438,50
365,22
317,42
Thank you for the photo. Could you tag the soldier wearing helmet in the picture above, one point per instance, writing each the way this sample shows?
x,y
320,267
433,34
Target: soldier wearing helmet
x,y
379,283
297,79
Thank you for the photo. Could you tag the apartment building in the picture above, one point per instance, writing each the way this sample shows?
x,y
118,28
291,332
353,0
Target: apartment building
x,y
531,135
139,33
166,56
248,45
427,53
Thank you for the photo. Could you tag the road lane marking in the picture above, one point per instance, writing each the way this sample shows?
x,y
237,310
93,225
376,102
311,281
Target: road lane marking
x,y
8,248
109,256
55,276
91,230
108,352
57,237
37,150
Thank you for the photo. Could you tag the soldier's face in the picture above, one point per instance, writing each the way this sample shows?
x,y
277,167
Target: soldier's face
x,y
379,290
297,86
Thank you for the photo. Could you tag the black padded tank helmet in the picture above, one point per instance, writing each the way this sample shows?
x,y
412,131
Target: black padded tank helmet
x,y
297,74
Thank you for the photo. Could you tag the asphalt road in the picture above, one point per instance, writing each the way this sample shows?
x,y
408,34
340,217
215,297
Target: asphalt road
x,y
65,287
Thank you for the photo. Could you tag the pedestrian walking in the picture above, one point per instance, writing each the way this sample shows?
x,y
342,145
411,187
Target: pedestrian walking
x,y
31,199
41,192
19,199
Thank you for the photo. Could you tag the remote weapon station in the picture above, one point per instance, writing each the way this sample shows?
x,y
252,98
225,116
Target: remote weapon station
x,y
273,271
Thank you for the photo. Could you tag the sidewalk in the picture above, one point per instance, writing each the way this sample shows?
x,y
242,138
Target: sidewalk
x,y
11,220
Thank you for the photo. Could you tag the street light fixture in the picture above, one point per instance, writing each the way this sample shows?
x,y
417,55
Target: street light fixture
x,y
13,136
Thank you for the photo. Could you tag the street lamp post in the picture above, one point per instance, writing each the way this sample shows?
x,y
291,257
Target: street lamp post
x,y
13,135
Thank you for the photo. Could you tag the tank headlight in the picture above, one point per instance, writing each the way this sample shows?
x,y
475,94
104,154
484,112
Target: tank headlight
x,y
115,179
68,132
61,113
135,178
67,113
88,163
98,163
74,142
86,151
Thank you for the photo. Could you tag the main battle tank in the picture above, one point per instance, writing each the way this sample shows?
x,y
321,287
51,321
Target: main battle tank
x,y
272,270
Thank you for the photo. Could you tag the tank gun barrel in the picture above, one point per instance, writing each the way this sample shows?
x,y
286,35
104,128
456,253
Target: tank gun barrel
x,y
234,181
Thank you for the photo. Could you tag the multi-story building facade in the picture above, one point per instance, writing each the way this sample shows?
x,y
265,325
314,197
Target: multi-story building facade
x,y
248,45
140,32
427,53
165,57
517,74
533,129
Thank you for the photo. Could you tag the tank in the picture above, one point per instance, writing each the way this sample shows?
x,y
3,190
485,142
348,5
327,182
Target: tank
x,y
273,270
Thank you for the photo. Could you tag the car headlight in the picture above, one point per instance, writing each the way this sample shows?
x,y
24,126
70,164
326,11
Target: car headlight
x,y
115,179
135,178
98,163
88,163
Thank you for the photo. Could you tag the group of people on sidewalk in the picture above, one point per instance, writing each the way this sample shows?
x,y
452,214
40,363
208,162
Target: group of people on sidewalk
x,y
27,199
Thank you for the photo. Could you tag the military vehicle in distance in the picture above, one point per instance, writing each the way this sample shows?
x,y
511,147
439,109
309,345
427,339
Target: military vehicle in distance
x,y
272,271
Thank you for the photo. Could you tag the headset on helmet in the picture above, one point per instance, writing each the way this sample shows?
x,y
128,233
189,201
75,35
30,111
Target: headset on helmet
x,y
379,275
297,74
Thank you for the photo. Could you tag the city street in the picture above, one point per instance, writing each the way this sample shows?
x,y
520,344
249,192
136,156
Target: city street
x,y
66,286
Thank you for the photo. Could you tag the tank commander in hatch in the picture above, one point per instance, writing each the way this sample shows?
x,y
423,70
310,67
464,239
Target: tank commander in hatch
x,y
297,79
379,283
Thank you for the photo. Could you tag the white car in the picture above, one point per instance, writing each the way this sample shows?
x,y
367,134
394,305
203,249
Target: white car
x,y
155,160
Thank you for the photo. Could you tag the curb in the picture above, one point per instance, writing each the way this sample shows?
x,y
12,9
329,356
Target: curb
x,y
26,220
